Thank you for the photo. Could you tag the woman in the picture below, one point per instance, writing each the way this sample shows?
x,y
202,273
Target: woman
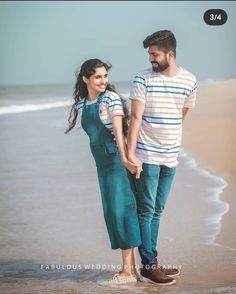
x,y
104,118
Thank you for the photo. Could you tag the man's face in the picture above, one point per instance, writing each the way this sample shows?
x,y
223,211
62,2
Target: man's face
x,y
158,59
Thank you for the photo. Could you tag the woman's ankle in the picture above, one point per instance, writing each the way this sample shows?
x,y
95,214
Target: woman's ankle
x,y
130,270
126,272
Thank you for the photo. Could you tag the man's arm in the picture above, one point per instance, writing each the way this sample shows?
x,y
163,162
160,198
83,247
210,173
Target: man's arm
x,y
120,141
184,112
189,101
137,110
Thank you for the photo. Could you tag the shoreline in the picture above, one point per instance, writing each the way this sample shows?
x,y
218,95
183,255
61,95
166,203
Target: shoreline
x,y
212,221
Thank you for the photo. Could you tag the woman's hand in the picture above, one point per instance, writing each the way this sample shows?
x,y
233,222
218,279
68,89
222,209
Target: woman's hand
x,y
138,163
130,166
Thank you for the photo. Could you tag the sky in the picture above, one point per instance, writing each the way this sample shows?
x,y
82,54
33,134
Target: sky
x,y
46,42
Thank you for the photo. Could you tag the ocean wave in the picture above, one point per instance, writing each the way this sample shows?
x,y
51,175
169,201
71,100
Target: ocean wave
x,y
26,107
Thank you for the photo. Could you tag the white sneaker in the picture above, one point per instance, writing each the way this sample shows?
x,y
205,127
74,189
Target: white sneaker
x,y
120,279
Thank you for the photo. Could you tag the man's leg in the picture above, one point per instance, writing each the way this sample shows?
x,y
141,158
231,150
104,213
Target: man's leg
x,y
146,200
164,186
147,187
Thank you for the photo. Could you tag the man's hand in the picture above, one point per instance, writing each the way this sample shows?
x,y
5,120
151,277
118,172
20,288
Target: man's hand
x,y
137,110
130,166
138,163
184,112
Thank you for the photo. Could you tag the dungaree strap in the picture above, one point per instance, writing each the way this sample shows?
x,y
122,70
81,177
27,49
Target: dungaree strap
x,y
99,98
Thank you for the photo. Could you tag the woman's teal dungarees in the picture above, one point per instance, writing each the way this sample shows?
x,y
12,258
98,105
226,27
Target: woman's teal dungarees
x,y
115,181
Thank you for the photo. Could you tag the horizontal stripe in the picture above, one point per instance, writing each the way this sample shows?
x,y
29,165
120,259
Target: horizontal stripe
x,y
156,136
167,86
139,77
159,112
158,152
158,159
158,156
154,132
154,146
164,107
137,82
146,140
117,104
176,82
151,102
171,98
163,123
163,113
110,101
155,128
171,92
159,140
158,117
180,79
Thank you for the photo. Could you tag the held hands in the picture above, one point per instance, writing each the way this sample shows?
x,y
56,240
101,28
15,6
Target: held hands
x,y
134,165
130,166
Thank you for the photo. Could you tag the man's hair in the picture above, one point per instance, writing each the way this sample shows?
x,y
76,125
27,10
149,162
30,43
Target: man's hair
x,y
164,39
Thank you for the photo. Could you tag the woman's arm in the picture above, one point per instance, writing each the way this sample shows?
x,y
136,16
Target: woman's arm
x,y
120,140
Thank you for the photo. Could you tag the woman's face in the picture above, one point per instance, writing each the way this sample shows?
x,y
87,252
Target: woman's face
x,y
97,83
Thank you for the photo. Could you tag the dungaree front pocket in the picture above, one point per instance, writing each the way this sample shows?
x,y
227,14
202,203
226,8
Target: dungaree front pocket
x,y
111,149
105,154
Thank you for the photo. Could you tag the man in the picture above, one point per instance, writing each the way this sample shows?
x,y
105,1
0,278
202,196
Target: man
x,y
161,97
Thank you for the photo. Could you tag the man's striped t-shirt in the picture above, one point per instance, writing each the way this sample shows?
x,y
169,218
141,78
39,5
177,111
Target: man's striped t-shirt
x,y
164,98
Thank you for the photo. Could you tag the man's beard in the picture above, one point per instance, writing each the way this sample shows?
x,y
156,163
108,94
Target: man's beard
x,y
161,67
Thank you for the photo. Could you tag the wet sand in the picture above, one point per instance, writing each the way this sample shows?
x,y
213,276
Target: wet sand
x,y
51,215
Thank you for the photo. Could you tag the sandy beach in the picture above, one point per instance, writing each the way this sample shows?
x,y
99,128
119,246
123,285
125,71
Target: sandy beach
x,y
209,136
53,236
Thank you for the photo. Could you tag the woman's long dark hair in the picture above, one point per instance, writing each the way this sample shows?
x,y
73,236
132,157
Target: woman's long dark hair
x,y
87,69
